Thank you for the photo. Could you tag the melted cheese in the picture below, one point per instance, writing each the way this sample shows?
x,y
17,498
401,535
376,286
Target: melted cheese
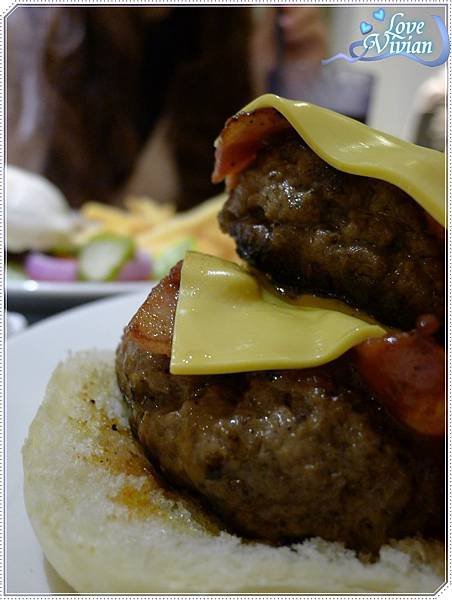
x,y
227,322
352,147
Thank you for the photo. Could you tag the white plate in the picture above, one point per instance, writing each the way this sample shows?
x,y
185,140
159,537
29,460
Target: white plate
x,y
45,296
31,357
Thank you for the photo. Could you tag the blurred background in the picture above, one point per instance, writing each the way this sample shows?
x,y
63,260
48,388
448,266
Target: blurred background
x,y
107,101
112,113
404,90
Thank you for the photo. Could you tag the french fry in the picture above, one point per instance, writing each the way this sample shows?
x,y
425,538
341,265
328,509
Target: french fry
x,y
199,223
185,224
156,228
149,211
111,219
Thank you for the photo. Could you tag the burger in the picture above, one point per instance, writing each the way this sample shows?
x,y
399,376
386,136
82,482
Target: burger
x,y
276,425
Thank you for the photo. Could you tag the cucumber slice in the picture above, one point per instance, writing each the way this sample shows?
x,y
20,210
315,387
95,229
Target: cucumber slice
x,y
102,257
170,256
14,272
63,251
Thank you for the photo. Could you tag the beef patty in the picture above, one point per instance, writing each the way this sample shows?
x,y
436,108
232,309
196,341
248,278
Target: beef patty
x,y
311,228
278,455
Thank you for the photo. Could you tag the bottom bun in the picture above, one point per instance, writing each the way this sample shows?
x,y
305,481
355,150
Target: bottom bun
x,y
107,525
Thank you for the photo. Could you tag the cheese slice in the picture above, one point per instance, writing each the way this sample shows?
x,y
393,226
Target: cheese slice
x,y
355,148
228,322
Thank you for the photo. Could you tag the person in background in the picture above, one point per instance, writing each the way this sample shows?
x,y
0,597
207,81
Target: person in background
x,y
109,101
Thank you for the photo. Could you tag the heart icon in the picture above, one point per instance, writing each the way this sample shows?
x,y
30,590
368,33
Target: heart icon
x,y
379,14
365,27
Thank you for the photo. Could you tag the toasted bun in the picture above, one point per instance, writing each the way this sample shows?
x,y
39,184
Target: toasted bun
x,y
106,525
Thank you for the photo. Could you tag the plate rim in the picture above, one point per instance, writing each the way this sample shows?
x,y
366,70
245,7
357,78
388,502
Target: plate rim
x,y
18,417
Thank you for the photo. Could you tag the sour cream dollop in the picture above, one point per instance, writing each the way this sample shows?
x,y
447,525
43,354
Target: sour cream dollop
x,y
37,214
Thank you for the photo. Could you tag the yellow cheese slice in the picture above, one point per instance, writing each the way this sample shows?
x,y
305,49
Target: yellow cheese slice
x,y
227,322
355,148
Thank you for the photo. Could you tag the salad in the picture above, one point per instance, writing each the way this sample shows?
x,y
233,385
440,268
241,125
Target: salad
x,y
47,241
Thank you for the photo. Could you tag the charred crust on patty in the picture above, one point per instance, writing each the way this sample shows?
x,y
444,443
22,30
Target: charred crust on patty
x,y
313,229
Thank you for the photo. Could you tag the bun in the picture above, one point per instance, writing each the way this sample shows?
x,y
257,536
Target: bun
x,y
107,525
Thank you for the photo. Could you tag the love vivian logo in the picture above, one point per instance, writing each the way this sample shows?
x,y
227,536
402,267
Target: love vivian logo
x,y
424,41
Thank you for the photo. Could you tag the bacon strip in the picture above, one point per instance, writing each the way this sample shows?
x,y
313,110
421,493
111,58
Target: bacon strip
x,y
241,139
406,372
151,328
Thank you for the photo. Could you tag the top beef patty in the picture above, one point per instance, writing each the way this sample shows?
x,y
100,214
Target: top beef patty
x,y
311,228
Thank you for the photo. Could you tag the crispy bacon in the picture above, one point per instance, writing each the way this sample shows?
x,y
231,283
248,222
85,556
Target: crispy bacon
x,y
406,372
241,139
152,326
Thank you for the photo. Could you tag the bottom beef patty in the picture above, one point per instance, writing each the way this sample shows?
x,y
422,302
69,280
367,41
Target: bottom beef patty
x,y
278,455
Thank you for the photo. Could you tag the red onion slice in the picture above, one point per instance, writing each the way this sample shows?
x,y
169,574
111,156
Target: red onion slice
x,y
42,267
137,269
